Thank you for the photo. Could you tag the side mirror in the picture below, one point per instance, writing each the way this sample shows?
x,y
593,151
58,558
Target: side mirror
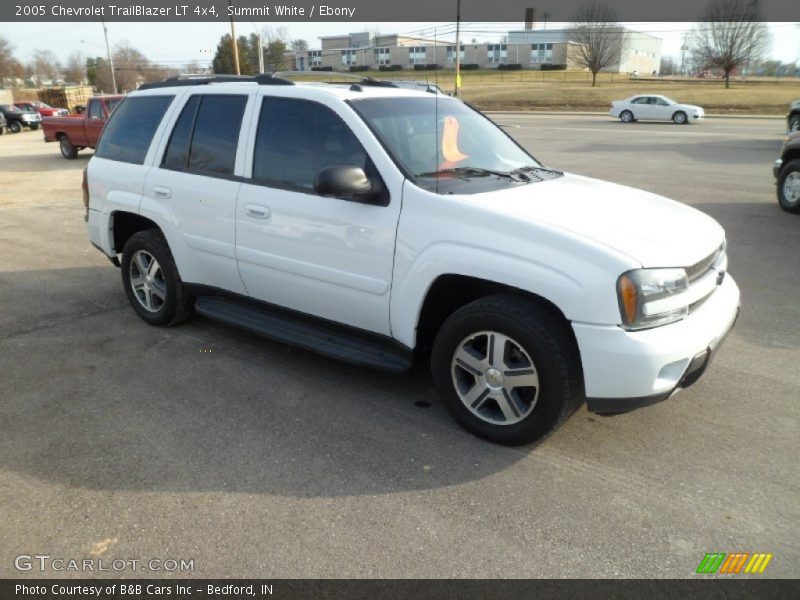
x,y
344,182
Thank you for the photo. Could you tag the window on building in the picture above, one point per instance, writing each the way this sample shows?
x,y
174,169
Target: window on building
x,y
451,54
496,53
315,58
541,53
382,56
348,57
417,55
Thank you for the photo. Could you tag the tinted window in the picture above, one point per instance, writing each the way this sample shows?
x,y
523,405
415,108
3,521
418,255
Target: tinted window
x,y
128,133
177,154
296,139
216,134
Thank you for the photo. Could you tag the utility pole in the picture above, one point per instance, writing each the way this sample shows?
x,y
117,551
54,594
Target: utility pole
x,y
260,53
110,59
458,48
233,42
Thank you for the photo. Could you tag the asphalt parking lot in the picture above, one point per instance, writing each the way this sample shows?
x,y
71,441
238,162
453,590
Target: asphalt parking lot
x,y
120,440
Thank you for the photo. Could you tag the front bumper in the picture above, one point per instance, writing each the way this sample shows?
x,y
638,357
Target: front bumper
x,y
776,169
625,370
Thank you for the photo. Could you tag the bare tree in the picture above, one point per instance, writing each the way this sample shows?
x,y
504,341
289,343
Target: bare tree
x,y
44,66
599,36
10,67
75,68
730,36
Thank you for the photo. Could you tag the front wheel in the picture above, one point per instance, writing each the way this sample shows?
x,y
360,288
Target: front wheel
x,y
151,280
14,127
679,118
626,116
507,369
789,186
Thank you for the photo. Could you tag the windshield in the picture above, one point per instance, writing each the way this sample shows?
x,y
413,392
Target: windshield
x,y
451,140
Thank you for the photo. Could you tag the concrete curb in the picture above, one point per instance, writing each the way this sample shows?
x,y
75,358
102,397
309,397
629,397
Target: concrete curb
x,y
605,114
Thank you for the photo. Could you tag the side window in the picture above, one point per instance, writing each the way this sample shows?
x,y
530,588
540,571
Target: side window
x,y
95,109
296,139
177,154
206,134
130,130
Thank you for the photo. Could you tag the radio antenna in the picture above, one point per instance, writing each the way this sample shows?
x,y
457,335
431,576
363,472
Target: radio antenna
x,y
435,108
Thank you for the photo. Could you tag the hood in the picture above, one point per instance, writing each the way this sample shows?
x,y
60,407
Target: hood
x,y
691,107
651,229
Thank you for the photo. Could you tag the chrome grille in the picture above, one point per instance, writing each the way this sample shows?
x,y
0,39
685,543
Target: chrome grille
x,y
699,268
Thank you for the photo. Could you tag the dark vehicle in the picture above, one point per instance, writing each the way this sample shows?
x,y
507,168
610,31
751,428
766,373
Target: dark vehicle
x,y
793,118
18,118
43,109
76,132
787,174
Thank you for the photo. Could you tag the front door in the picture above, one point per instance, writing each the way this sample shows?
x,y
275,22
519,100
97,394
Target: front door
x,y
324,256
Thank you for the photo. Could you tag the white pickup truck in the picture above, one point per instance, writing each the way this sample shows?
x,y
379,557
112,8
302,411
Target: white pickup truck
x,y
381,226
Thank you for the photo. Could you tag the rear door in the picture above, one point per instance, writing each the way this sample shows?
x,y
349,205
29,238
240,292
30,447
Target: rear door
x,y
193,187
323,256
642,108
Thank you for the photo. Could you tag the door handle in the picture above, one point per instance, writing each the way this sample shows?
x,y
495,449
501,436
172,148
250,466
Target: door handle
x,y
162,192
256,211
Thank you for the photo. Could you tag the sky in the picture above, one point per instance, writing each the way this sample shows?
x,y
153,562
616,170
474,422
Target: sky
x,y
173,44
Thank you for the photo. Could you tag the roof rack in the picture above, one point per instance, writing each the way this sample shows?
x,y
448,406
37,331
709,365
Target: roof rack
x,y
185,80
361,79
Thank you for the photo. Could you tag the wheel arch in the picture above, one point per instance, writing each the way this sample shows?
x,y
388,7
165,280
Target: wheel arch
x,y
124,224
449,292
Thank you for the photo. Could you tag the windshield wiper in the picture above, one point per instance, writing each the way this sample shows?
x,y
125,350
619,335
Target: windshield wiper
x,y
540,173
466,171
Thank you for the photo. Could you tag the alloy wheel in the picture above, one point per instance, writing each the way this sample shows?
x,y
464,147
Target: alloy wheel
x,y
791,187
495,378
147,281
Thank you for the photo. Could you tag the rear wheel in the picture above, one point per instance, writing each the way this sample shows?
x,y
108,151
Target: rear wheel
x,y
789,186
680,118
151,280
68,150
507,369
14,127
626,116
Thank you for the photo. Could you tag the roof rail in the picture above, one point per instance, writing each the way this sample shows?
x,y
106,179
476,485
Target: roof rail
x,y
185,80
361,79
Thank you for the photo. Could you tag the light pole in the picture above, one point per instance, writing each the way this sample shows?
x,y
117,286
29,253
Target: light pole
x,y
110,59
233,41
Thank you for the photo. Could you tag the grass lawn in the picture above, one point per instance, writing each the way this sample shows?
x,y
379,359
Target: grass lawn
x,y
572,90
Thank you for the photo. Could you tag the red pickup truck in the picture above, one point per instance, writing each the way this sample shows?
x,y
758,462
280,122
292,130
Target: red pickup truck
x,y
76,132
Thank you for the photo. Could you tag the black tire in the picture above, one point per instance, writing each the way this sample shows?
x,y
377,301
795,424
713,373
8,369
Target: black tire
x,y
68,150
15,127
3,130
794,123
626,116
34,126
793,166
542,335
177,305
680,118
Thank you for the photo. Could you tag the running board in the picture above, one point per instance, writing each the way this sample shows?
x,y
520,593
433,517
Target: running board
x,y
310,333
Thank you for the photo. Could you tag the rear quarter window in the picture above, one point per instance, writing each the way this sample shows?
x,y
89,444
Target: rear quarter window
x,y
130,130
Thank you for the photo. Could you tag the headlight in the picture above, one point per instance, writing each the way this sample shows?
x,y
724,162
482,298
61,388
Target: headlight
x,y
642,294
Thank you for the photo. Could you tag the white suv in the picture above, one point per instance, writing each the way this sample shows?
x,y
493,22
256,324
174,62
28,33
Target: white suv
x,y
380,225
